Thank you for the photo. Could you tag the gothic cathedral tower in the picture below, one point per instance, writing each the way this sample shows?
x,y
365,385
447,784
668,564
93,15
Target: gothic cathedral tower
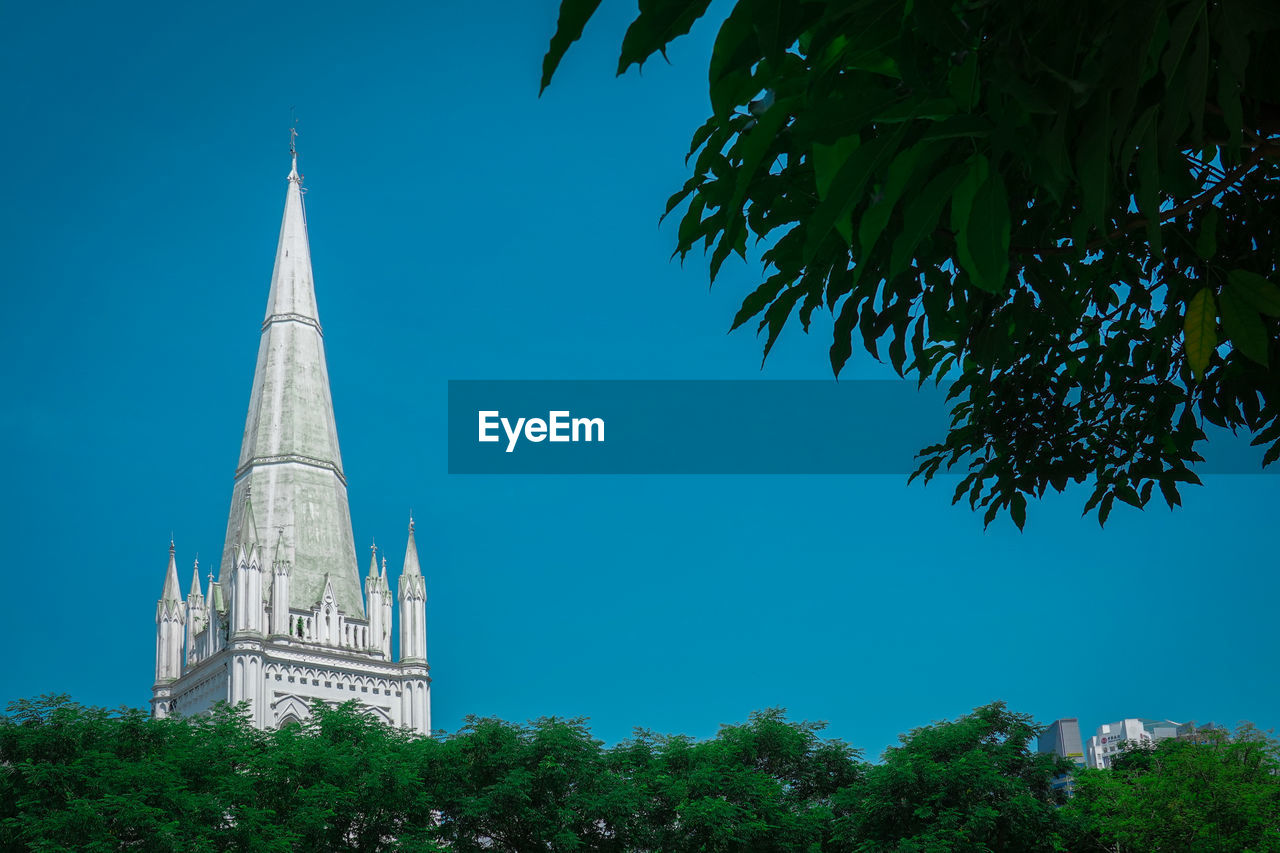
x,y
285,623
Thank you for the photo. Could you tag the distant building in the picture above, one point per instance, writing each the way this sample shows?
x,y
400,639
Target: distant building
x,y
1062,738
1113,739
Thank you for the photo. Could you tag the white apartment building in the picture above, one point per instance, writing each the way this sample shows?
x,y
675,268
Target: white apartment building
x,y
1114,738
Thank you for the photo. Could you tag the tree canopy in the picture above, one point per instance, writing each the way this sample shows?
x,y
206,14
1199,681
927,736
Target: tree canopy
x,y
1069,210
1209,792
82,778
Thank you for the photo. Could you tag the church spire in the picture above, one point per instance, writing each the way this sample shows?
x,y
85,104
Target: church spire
x,y
172,591
195,581
413,603
289,456
411,566
171,618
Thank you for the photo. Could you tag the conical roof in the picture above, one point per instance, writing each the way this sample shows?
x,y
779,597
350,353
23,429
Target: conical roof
x,y
289,457
171,592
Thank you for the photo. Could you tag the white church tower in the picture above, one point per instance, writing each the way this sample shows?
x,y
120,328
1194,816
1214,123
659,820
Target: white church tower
x,y
285,623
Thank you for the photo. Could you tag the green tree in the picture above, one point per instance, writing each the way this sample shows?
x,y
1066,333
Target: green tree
x,y
89,779
342,780
1069,209
766,785
500,786
82,778
974,784
1210,792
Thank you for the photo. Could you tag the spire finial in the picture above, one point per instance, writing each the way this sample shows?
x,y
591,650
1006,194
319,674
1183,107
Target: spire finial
x,y
410,519
170,544
293,146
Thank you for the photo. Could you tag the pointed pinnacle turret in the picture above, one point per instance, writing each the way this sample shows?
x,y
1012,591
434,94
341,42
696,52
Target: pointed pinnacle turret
x,y
373,561
195,580
172,591
280,554
248,527
411,566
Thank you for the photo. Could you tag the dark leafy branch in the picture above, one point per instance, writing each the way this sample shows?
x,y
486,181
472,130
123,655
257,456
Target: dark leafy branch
x,y
1068,210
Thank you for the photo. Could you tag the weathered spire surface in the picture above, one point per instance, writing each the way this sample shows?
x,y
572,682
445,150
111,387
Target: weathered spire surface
x,y
289,456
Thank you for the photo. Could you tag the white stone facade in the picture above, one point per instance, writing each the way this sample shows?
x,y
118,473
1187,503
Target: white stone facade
x,y
285,623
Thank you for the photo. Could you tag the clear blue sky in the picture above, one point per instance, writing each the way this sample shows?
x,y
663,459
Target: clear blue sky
x,y
464,229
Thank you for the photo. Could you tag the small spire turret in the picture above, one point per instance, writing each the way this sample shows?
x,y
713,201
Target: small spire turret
x,y
195,581
172,590
171,617
413,605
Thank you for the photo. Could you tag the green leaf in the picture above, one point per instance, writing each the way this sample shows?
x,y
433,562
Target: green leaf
x,y
1136,139
1093,168
962,205
1272,454
847,188
1148,194
776,317
1255,291
962,83
766,17
1198,82
901,170
1243,326
1104,510
1179,35
752,147
574,15
987,235
659,23
732,56
1200,331
1207,239
759,299
920,216
926,109
958,126
827,160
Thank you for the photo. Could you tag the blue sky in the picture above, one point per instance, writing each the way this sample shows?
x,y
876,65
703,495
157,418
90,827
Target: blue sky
x,y
463,228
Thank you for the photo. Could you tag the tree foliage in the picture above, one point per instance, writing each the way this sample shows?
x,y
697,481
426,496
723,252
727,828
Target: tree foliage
x,y
1209,792
82,778
1068,209
976,784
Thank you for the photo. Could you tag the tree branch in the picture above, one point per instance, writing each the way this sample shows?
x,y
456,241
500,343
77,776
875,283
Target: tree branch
x,y
1232,177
